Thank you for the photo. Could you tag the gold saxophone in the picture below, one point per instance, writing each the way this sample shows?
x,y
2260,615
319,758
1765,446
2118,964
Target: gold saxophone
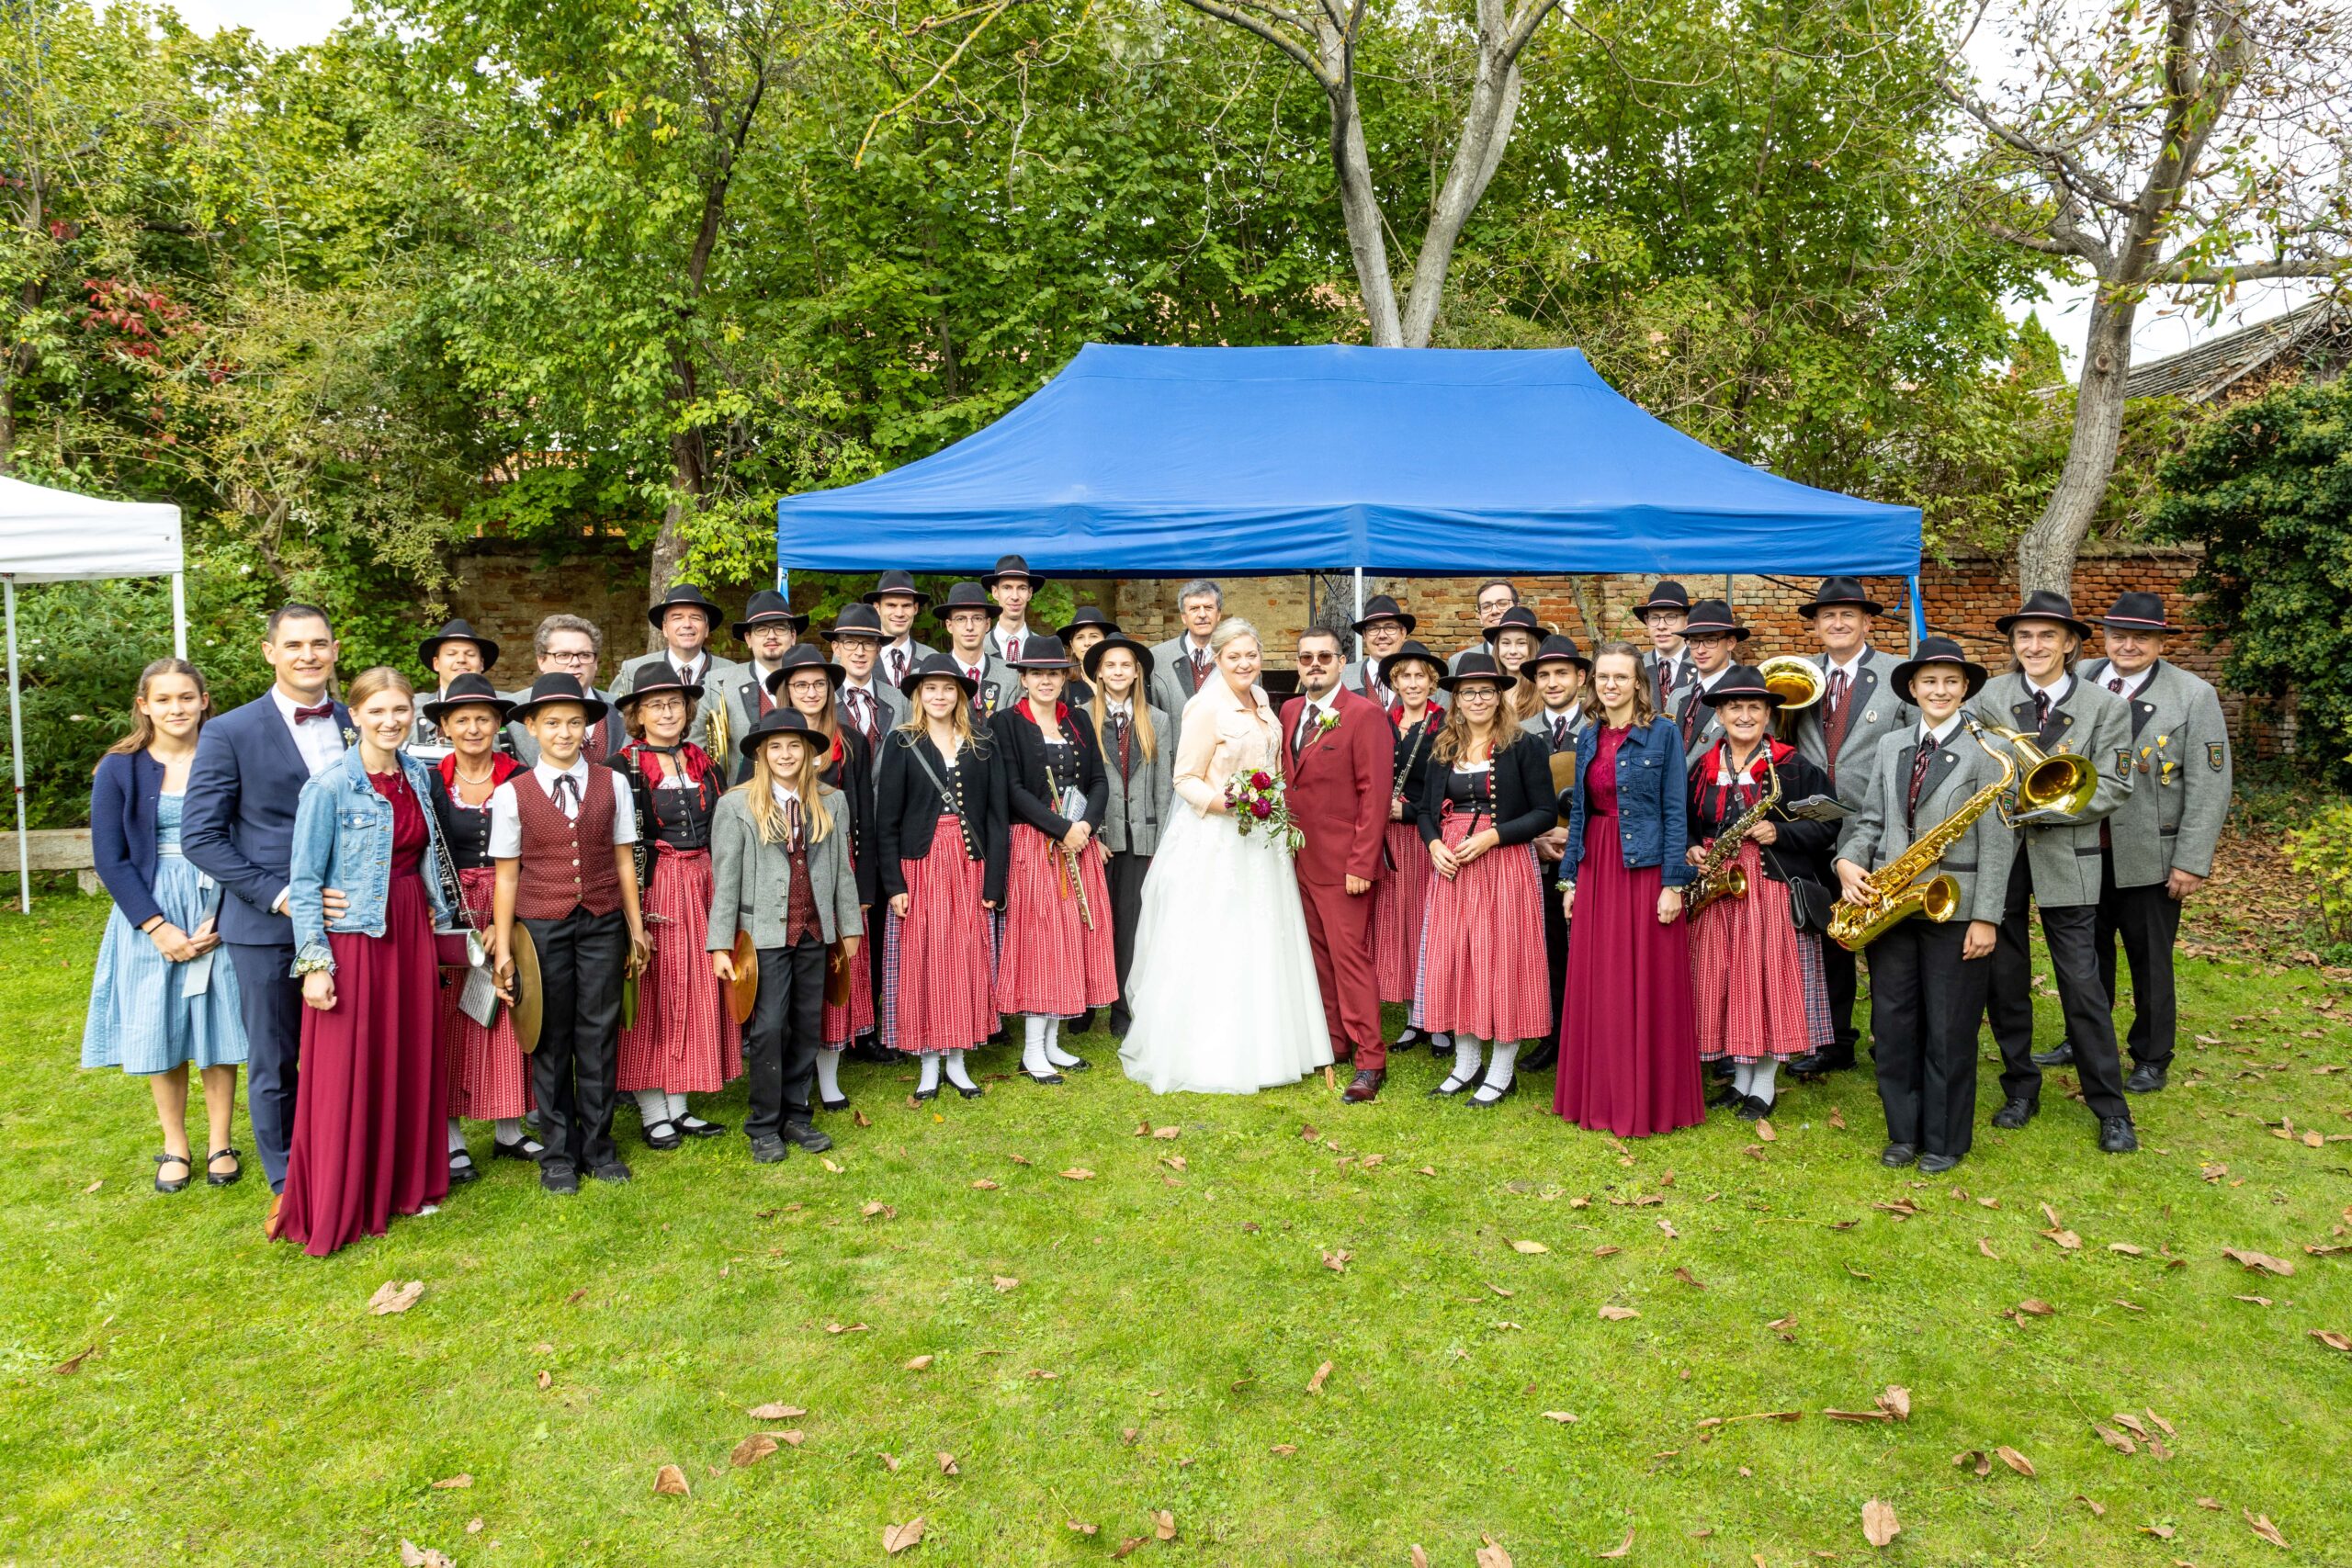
x,y
1719,873
1894,890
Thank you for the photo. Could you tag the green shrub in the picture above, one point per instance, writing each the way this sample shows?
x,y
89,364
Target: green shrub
x,y
2322,852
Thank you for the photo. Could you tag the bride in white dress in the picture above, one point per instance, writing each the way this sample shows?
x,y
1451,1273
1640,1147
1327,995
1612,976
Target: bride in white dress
x,y
1223,991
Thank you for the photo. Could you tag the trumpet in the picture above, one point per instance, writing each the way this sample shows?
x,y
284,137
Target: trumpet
x,y
2058,783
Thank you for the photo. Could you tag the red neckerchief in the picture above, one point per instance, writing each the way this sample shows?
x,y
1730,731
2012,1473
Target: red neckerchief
x,y
1027,711
1718,758
502,768
1397,712
691,757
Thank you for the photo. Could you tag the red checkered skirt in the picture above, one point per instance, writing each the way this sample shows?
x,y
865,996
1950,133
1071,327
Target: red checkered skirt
x,y
854,1017
490,1075
1754,976
1050,963
1397,900
935,989
1482,956
684,1040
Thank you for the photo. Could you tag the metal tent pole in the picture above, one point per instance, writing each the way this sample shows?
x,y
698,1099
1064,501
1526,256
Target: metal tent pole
x,y
179,615
16,756
1918,614
1359,615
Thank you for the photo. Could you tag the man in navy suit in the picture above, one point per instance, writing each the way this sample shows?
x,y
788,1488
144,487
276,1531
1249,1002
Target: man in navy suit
x,y
238,825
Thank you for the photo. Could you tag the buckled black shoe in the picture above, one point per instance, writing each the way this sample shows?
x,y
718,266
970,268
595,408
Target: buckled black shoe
x,y
462,1168
1726,1095
840,1105
806,1137
2016,1114
2146,1079
2064,1056
1472,1081
1896,1156
1543,1059
213,1178
527,1148
2117,1137
1077,1063
695,1127
188,1165
1484,1100
1752,1109
1046,1077
663,1134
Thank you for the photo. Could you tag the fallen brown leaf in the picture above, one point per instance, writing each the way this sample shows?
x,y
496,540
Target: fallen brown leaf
x,y
545,1380
791,1438
1530,1247
878,1210
2067,1240
1896,1401
1566,1418
1836,1119
1614,1313
1163,1524
947,1463
2126,1248
1337,1261
392,1297
2211,1504
2329,1337
889,1462
1622,1546
456,1482
859,1117
670,1482
984,1185
2015,1459
1081,1527
1974,1460
1127,1546
828,1165
2162,1532
751,1449
1021,1159
2098,1508
1078,1173
1283,1450
1859,1415
415,1556
71,1364
776,1412
898,1538
1984,1245
94,1186
1166,1133
2261,1260
1419,1559
2113,1439
1315,1384
1688,1279
2260,1524
1764,1133
2034,1306
1607,1251
919,1363
1491,1554
1879,1524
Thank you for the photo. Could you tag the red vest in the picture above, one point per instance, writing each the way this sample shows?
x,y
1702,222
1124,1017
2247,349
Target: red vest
x,y
567,863
801,921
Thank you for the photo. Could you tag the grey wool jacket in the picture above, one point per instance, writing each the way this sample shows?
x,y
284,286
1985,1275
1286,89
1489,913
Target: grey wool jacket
x,y
2180,778
1137,813
750,880
1878,831
1875,711
2092,723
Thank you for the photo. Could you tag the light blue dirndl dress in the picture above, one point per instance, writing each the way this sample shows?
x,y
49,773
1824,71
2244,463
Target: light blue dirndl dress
x,y
141,1018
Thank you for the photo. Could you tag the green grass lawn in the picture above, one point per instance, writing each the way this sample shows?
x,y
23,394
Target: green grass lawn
x,y
1160,1348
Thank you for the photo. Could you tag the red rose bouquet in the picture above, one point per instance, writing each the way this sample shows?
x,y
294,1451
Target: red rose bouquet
x,y
1260,808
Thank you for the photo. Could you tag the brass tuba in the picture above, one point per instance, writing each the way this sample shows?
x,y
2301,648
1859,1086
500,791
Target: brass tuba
x,y
1895,890
1798,683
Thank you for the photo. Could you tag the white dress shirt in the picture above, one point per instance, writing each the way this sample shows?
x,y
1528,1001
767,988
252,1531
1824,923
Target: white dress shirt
x,y
2133,683
506,813
320,741
1935,735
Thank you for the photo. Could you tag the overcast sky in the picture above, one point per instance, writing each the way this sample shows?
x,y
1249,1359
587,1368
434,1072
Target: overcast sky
x,y
2163,329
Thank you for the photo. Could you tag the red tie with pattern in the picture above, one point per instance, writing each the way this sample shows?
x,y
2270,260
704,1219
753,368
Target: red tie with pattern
x,y
1012,649
2115,684
1199,671
1921,755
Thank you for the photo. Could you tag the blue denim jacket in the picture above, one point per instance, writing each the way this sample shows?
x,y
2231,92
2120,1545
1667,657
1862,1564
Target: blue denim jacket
x,y
1653,802
342,838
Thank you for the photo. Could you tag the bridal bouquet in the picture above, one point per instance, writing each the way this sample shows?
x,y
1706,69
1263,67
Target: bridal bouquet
x,y
1260,807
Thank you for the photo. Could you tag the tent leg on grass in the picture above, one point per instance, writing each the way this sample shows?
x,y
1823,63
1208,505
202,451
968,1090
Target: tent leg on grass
x,y
17,759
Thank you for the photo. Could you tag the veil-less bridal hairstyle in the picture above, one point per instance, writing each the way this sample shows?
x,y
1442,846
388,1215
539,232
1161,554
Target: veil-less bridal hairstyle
x,y
1229,628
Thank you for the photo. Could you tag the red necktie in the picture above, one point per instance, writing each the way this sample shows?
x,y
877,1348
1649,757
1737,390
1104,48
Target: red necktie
x,y
1921,756
1837,693
1559,732
1012,648
1200,671
2115,684
327,710
2041,710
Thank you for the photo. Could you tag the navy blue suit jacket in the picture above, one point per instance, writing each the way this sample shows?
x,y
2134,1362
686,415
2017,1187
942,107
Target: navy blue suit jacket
x,y
123,799
238,822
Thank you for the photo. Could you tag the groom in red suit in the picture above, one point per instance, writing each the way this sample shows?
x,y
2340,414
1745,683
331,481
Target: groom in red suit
x,y
1339,755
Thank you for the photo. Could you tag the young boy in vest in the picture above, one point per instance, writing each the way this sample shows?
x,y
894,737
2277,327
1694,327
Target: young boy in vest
x,y
561,835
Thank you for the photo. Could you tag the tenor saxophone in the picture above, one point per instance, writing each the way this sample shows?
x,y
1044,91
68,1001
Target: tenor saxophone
x,y
1894,892
1719,873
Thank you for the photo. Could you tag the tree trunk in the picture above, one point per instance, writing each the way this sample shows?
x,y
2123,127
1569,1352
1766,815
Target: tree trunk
x,y
1360,205
2046,552
1485,132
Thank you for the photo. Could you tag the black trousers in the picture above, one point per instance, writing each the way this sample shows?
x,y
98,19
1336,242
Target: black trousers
x,y
1124,873
1555,941
2147,919
581,959
781,1037
1926,1002
1839,965
2072,933
270,1002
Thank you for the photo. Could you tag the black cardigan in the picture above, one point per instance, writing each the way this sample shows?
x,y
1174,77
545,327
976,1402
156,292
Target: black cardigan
x,y
1803,847
1028,791
1412,759
1524,804
853,777
910,807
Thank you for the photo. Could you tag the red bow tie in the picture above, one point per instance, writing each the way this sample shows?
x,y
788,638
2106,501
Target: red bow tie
x,y
304,715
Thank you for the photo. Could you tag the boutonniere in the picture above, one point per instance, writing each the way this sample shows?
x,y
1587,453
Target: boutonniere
x,y
350,738
1328,723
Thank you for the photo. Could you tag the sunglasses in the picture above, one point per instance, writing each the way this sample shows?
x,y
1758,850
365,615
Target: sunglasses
x,y
1318,659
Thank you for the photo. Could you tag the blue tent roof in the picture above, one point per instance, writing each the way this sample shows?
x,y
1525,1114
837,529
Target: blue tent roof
x,y
1157,462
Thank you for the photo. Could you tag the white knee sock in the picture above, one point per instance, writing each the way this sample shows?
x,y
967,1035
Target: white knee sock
x,y
1742,1075
957,1073
1034,1060
457,1137
829,1074
680,1114
930,1072
1760,1083
652,1106
1465,1063
508,1129
1441,1041
1501,1068
1054,1052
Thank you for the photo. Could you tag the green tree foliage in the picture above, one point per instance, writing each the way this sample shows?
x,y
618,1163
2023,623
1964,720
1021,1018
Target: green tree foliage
x,y
2267,489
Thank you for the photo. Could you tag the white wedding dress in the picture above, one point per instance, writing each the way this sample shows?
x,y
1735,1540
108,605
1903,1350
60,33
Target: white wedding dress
x,y
1223,991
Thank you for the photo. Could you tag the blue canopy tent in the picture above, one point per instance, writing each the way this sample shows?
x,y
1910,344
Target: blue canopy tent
x,y
1163,462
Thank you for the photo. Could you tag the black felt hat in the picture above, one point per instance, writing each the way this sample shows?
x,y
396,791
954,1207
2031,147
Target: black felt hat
x,y
767,605
1713,617
1518,618
1086,615
1381,607
1558,648
855,620
1411,653
1668,595
1120,639
1012,566
2138,612
2043,604
456,631
1841,591
964,596
1936,650
1043,653
688,596
1479,667
892,583
802,656
659,676
557,687
1740,680
777,721
467,689
938,667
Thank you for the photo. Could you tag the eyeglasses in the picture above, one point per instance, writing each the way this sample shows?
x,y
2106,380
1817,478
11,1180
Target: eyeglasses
x,y
586,656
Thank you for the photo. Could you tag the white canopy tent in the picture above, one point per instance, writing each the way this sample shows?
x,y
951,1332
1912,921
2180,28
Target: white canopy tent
x,y
54,536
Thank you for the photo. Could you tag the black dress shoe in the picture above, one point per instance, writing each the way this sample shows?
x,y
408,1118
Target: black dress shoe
x,y
1364,1087
1720,1070
840,1105
520,1148
2116,1136
213,1178
930,1093
969,1091
612,1170
806,1134
1752,1109
662,1134
1543,1059
1813,1063
2062,1057
769,1149
1083,1024
1935,1165
2146,1079
2016,1114
871,1050
173,1184
462,1169
1119,1027
1726,1095
1489,1096
1077,1063
698,1128
1044,1077
558,1176
1896,1156
1441,1092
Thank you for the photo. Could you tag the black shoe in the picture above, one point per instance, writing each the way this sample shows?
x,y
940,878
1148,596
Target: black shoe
x,y
769,1150
612,1170
1896,1156
1439,1052
1483,1100
1814,1063
2146,1079
1364,1087
969,1091
1441,1092
213,1178
1543,1059
662,1134
188,1170
1077,1063
1726,1096
1721,1071
1408,1038
520,1148
2116,1136
1083,1024
2016,1114
2062,1057
1044,1077
1752,1109
698,1128
1119,1027
558,1176
840,1105
462,1169
930,1093
806,1135
1935,1165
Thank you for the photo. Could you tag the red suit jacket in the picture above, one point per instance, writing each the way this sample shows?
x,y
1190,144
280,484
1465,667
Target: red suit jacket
x,y
1340,784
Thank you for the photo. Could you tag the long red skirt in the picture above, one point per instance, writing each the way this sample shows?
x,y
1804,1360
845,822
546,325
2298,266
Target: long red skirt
x,y
1481,972
490,1075
1629,1051
369,1123
1397,902
935,990
845,1021
1052,963
1748,974
684,1040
